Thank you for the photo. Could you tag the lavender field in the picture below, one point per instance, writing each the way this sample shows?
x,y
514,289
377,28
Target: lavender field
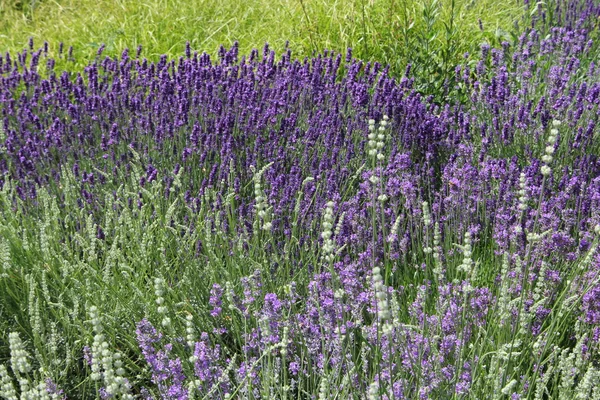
x,y
266,226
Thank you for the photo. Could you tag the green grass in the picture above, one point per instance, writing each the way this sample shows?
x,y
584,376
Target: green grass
x,y
431,34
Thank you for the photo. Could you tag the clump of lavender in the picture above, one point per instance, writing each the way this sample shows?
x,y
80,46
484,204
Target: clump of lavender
x,y
167,372
213,122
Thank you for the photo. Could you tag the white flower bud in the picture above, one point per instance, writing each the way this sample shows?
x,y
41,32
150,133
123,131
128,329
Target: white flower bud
x,y
546,170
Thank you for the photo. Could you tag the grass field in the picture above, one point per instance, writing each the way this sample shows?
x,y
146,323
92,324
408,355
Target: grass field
x,y
303,224
432,35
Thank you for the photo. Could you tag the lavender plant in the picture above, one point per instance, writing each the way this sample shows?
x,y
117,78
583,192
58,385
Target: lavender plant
x,y
260,228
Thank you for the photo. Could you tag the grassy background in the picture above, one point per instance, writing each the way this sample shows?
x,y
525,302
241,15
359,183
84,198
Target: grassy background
x,y
434,35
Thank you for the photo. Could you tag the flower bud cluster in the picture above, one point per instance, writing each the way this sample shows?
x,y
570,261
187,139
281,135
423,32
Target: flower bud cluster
x,y
426,222
114,379
377,140
261,204
324,388
536,237
338,227
159,290
34,307
230,295
34,392
523,199
504,297
540,284
374,179
5,259
394,230
98,344
383,198
467,263
569,365
263,211
374,391
7,389
542,382
549,151
328,246
426,214
18,354
437,256
589,384
383,309
284,342
506,390
105,364
189,330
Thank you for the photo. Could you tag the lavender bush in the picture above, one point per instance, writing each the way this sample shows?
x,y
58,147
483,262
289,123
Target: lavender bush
x,y
253,227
